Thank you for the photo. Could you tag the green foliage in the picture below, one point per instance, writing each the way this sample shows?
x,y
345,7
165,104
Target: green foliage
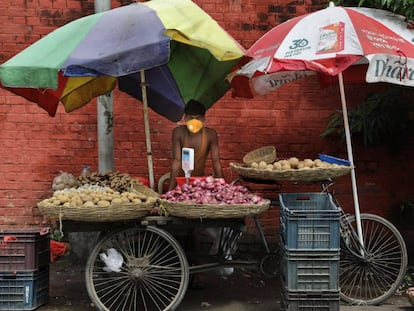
x,y
403,7
381,118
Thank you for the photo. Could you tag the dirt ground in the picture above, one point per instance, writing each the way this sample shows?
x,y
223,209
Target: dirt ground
x,y
245,290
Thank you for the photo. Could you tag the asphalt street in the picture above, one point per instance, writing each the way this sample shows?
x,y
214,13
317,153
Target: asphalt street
x,y
242,291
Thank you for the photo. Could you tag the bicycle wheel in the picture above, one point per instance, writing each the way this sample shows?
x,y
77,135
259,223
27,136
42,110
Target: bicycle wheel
x,y
375,276
137,269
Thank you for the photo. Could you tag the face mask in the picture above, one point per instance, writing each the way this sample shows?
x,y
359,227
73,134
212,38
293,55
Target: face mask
x,y
194,125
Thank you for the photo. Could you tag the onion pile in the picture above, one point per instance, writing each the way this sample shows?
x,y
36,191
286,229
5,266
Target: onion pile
x,y
212,191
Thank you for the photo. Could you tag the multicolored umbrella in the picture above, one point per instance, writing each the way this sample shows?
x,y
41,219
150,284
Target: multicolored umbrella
x,y
190,53
329,42
184,53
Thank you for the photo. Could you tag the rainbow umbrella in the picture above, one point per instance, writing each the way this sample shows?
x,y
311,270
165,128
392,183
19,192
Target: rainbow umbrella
x,y
184,53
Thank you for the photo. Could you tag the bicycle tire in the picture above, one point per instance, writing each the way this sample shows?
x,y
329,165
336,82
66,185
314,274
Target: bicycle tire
x,y
373,278
154,274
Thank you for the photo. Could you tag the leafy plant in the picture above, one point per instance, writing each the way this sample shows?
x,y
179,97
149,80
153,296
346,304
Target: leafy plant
x,y
403,7
380,118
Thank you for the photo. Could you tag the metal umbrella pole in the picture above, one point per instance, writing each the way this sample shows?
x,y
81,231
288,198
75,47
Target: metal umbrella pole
x,y
147,129
350,158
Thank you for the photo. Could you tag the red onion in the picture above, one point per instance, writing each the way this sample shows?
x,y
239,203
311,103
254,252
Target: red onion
x,y
212,191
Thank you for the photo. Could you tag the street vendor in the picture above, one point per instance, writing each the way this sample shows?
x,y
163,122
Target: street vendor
x,y
204,141
194,135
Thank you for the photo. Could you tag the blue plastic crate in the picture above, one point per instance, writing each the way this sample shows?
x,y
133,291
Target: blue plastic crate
x,y
305,301
24,290
312,271
309,221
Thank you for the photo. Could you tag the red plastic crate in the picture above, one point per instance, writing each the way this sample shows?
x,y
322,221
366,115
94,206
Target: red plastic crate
x,y
24,249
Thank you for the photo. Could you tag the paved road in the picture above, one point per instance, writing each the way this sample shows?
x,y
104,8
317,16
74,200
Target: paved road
x,y
242,291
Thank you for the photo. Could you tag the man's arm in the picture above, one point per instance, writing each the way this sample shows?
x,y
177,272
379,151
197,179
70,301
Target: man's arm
x,y
176,158
215,154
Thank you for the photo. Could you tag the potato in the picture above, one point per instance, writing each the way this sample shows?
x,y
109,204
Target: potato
x,y
284,162
88,204
286,167
254,165
293,161
103,203
262,165
116,201
308,163
277,166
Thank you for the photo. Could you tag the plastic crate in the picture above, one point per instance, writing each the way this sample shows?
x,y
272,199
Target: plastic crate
x,y
24,249
309,221
24,290
334,160
312,271
305,301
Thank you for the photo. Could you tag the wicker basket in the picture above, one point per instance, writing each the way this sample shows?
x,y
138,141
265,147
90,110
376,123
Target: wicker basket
x,y
213,211
113,212
266,154
310,174
140,188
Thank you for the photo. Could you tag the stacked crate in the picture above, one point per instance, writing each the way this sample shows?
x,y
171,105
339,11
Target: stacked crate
x,y
309,231
24,268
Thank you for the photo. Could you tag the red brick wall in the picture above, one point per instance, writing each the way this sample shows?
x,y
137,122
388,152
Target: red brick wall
x,y
35,147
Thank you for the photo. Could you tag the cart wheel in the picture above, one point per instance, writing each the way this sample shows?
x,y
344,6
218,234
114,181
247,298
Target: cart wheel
x,y
269,265
137,269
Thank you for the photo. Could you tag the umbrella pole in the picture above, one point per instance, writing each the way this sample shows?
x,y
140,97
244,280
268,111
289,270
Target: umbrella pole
x,y
350,158
147,130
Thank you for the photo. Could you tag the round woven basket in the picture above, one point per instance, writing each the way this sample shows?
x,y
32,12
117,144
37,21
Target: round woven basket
x,y
98,214
213,211
310,174
113,212
266,154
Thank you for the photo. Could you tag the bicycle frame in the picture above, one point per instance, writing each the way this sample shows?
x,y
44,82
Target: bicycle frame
x,y
351,239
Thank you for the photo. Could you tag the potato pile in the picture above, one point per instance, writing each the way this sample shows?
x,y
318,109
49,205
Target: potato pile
x,y
292,163
92,195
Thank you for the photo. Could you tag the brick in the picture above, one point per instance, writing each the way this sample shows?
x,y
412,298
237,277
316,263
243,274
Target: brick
x,y
36,147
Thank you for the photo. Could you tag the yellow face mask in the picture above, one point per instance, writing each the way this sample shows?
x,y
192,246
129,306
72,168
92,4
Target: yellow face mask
x,y
194,125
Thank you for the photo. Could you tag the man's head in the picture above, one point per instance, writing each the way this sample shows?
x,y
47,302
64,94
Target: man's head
x,y
194,108
194,116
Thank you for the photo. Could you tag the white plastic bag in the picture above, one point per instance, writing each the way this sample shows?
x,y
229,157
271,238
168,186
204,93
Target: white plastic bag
x,y
113,260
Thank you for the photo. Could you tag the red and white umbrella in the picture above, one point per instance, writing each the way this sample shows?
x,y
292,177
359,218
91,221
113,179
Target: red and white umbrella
x,y
328,42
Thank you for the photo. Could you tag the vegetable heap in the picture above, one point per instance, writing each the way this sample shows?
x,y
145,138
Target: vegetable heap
x,y
92,195
94,190
212,190
293,163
